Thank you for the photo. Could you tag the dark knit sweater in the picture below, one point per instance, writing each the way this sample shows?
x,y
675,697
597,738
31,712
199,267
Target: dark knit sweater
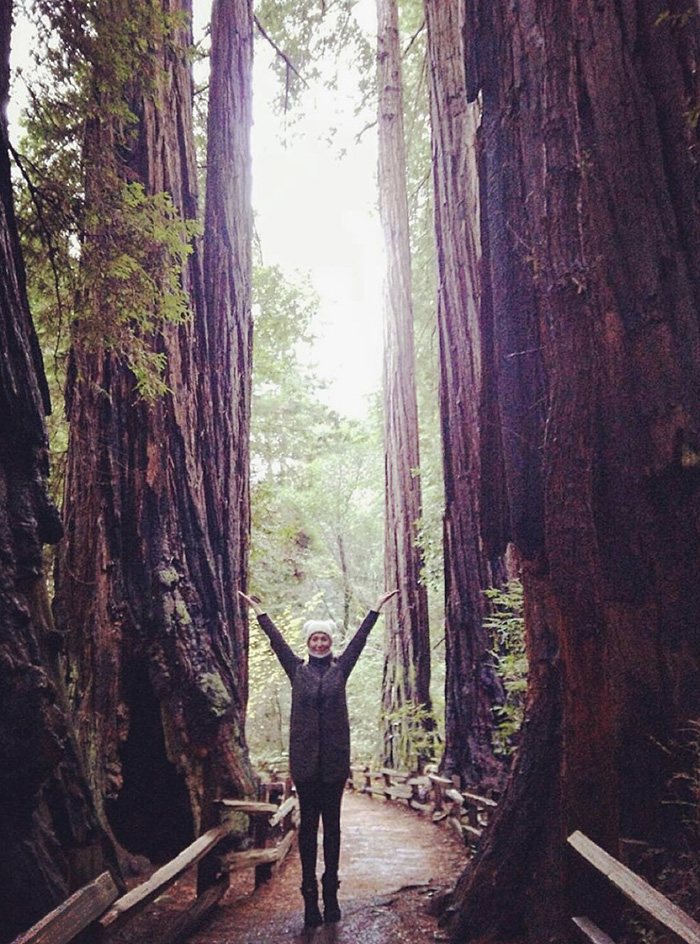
x,y
319,731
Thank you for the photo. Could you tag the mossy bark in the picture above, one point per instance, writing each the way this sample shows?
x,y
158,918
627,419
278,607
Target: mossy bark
x,y
157,492
51,840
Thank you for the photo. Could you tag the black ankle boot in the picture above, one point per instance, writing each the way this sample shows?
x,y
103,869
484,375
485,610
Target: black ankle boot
x,y
312,916
331,909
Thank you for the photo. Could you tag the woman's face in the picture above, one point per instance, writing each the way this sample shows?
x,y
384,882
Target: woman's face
x,y
319,644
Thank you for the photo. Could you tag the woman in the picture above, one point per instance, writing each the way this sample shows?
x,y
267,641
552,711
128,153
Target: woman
x,y
319,745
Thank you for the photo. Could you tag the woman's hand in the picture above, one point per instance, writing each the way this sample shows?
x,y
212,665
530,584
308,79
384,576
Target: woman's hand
x,y
382,600
253,601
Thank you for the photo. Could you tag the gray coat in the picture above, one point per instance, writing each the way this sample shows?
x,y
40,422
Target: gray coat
x,y
319,731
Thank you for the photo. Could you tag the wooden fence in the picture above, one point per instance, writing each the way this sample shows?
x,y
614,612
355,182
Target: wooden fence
x,y
96,911
465,811
469,814
650,901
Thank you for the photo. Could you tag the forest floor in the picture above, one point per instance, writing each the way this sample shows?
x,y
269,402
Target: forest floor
x,y
393,864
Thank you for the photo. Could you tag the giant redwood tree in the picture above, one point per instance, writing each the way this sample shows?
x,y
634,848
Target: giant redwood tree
x,y
51,840
472,688
406,682
588,325
156,499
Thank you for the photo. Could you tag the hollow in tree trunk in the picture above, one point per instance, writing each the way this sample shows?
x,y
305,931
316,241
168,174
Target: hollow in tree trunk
x,y
157,497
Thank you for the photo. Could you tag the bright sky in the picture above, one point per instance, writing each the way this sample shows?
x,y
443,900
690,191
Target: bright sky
x,y
316,214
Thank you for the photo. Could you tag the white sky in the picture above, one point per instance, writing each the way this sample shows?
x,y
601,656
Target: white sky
x,y
316,214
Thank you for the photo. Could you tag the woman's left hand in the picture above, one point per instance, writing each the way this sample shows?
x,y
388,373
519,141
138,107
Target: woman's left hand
x,y
253,601
383,599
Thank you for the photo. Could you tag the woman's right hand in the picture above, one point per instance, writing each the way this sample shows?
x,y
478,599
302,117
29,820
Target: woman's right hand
x,y
253,601
383,599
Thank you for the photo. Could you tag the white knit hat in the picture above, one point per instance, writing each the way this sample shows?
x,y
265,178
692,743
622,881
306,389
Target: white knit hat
x,y
319,626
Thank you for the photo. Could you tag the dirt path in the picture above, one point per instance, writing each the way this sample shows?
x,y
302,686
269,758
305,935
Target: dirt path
x,y
386,849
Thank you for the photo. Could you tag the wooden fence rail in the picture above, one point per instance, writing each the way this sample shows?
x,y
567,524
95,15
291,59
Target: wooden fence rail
x,y
135,900
97,911
74,915
651,901
465,811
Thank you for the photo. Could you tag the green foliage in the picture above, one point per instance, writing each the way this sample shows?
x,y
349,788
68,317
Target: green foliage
x,y
309,34
364,694
107,262
267,721
676,20
506,624
317,515
286,416
135,250
415,738
106,55
317,526
313,43
317,479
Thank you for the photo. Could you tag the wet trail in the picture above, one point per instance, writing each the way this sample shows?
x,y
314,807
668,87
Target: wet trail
x,y
386,849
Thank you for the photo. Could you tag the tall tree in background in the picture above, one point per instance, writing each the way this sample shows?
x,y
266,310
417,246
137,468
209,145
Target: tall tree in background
x,y
591,258
51,840
406,683
156,499
228,235
471,686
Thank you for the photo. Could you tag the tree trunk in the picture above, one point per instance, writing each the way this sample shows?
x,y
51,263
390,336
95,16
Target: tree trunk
x,y
228,236
406,682
51,841
156,495
591,257
472,688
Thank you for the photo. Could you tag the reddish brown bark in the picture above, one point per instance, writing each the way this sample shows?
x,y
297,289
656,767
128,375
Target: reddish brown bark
x,y
590,230
472,688
228,235
406,679
156,502
51,842
227,270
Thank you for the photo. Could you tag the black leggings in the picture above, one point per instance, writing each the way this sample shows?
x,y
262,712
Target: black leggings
x,y
318,800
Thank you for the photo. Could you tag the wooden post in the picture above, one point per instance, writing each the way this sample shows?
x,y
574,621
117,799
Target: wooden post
x,y
386,777
439,785
261,832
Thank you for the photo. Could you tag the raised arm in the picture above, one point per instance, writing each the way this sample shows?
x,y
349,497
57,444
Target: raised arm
x,y
286,655
353,649
384,598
